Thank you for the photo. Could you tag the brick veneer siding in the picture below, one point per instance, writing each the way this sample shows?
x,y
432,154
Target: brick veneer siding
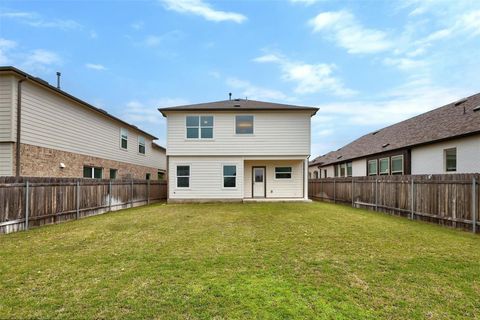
x,y
45,162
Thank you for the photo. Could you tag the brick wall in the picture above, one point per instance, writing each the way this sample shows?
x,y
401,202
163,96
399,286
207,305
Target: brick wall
x,y
45,162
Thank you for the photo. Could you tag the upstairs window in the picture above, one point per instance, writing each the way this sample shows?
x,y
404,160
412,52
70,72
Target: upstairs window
x,y
397,165
124,138
141,145
450,159
92,172
199,127
372,167
384,166
283,172
244,124
229,176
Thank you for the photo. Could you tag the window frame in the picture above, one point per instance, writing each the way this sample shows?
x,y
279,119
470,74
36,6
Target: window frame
x,y
93,172
235,125
177,176
376,167
122,130
343,167
229,176
349,165
380,168
110,173
199,127
140,138
445,165
400,156
291,173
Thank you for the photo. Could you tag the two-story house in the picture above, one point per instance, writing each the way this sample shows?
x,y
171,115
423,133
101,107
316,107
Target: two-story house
x,y
47,132
238,150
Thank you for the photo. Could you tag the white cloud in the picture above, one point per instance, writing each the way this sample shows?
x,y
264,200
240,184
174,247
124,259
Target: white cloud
x,y
405,64
255,92
41,57
152,41
95,66
36,20
137,25
305,2
200,8
5,46
310,78
347,32
157,40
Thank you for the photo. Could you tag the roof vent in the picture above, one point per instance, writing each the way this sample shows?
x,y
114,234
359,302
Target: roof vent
x,y
339,157
459,102
236,105
477,108
374,133
385,145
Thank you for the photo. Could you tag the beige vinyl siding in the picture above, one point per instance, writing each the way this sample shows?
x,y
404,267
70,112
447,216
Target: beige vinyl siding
x,y
52,121
6,105
206,178
6,159
276,133
359,168
430,159
160,158
277,188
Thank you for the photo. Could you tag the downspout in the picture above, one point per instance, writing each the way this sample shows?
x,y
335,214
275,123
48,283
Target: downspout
x,y
19,126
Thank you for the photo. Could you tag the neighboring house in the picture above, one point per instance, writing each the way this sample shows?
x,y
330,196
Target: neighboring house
x,y
238,149
444,140
62,136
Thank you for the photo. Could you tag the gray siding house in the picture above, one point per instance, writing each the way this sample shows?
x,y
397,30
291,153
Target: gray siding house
x,y
46,132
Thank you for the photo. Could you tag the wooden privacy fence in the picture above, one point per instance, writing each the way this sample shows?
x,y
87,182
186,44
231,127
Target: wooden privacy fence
x,y
451,199
27,202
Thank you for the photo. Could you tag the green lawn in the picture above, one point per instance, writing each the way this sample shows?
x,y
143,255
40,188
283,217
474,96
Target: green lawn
x,y
237,261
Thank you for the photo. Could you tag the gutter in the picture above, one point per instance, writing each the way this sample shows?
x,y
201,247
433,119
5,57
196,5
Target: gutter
x,y
19,126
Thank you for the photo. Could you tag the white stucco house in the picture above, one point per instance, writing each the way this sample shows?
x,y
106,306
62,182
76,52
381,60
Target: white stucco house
x,y
442,141
238,150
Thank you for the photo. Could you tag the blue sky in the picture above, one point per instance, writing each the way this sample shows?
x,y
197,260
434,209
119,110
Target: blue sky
x,y
366,64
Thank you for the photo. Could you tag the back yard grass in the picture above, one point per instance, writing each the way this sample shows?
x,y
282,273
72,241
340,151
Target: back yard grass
x,y
237,261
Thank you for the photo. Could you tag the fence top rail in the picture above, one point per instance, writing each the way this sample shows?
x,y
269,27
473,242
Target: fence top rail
x,y
81,183
467,182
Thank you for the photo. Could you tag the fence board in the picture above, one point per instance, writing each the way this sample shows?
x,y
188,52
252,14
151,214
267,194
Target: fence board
x,y
443,199
53,200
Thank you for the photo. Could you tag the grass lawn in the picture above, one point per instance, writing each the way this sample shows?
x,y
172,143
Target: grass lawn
x,y
268,260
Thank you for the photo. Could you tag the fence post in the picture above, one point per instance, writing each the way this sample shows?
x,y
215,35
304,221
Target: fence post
x,y
131,194
474,205
376,194
334,191
27,203
412,200
148,191
110,195
353,188
78,200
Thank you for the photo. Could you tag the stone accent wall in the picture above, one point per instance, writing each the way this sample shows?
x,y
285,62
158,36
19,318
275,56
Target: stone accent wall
x,y
45,162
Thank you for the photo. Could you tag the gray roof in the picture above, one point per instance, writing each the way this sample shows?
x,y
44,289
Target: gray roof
x,y
69,96
457,119
238,105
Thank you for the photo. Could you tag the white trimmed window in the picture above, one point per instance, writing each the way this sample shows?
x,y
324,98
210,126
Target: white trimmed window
x,y
384,166
283,172
244,124
349,169
199,127
450,156
343,170
372,167
229,176
183,176
141,145
397,164
123,138
92,172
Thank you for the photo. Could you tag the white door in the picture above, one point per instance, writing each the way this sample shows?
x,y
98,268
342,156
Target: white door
x,y
258,182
